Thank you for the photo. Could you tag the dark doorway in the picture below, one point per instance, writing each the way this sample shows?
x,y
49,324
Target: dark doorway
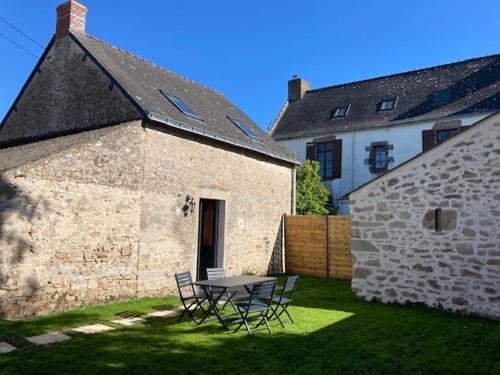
x,y
208,248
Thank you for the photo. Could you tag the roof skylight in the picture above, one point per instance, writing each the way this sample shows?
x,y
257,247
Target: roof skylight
x,y
181,105
245,129
388,104
441,97
340,111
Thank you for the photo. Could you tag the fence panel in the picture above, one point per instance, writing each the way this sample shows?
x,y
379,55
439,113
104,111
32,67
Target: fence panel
x,y
339,246
318,246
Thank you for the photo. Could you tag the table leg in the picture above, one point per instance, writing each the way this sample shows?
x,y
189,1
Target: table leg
x,y
213,305
249,290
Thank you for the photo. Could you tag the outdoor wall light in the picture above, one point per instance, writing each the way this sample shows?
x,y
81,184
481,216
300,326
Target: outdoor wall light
x,y
190,205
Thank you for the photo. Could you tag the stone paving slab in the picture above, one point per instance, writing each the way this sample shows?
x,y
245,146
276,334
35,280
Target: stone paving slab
x,y
127,321
93,328
48,338
5,347
163,313
181,308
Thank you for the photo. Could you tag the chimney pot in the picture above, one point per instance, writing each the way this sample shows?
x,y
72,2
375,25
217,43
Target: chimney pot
x,y
297,88
71,17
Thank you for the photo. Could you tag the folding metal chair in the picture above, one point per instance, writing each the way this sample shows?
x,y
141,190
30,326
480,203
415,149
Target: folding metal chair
x,y
218,273
191,300
284,300
259,304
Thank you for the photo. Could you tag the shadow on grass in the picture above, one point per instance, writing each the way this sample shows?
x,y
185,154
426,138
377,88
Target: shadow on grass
x,y
96,314
335,333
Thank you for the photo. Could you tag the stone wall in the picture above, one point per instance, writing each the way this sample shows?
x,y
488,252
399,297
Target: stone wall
x,y
70,221
97,216
255,193
398,256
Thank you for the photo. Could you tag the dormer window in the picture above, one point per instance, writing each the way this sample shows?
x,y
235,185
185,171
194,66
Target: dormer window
x,y
181,105
340,111
388,104
441,97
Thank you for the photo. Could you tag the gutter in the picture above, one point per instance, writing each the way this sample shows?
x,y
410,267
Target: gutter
x,y
208,134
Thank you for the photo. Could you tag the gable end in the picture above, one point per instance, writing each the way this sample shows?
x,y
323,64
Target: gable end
x,y
67,92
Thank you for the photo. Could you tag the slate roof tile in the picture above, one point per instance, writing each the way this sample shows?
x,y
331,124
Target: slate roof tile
x,y
143,81
474,87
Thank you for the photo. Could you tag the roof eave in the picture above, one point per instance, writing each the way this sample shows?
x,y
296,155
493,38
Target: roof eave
x,y
35,70
208,134
407,122
278,118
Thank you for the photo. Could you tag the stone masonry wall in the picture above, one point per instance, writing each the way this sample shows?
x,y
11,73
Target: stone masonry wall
x,y
70,222
256,194
97,216
398,256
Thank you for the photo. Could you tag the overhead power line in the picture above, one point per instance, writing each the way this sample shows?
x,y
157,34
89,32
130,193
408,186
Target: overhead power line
x,y
22,33
19,46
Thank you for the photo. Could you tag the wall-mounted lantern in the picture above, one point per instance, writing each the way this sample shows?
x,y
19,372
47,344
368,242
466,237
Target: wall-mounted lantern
x,y
189,206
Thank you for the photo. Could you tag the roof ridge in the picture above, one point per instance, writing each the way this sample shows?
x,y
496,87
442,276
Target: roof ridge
x,y
151,63
404,72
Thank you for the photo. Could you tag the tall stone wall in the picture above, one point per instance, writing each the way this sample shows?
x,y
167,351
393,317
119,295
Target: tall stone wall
x,y
255,194
70,221
398,256
97,216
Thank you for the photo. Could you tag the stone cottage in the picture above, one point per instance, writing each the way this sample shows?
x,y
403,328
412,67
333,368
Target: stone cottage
x,y
428,232
116,173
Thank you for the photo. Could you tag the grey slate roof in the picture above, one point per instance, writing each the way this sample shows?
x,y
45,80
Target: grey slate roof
x,y
474,85
143,81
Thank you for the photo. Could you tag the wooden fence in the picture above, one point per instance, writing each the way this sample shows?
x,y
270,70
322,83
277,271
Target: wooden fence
x,y
318,246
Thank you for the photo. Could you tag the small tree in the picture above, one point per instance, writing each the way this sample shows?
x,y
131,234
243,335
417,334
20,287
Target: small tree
x,y
312,196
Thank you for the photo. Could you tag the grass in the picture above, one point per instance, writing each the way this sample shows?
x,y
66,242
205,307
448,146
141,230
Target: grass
x,y
335,333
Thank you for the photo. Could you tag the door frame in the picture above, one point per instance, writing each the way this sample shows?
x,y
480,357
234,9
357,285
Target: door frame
x,y
218,232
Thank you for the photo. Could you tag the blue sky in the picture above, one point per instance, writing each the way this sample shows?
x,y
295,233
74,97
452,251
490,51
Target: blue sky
x,y
249,49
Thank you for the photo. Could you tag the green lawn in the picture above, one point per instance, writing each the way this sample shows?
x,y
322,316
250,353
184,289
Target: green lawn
x,y
335,333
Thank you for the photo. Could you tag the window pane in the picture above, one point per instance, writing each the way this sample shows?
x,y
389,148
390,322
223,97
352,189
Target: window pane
x,y
339,111
441,135
181,105
380,157
441,97
245,129
388,104
329,168
324,155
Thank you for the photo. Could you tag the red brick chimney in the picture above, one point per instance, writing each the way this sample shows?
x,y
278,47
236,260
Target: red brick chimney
x,y
71,16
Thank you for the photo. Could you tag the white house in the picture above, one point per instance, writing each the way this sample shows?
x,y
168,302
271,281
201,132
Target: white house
x,y
359,130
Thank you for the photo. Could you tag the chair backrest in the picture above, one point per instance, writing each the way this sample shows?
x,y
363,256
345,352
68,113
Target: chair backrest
x,y
263,292
183,280
215,273
290,286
